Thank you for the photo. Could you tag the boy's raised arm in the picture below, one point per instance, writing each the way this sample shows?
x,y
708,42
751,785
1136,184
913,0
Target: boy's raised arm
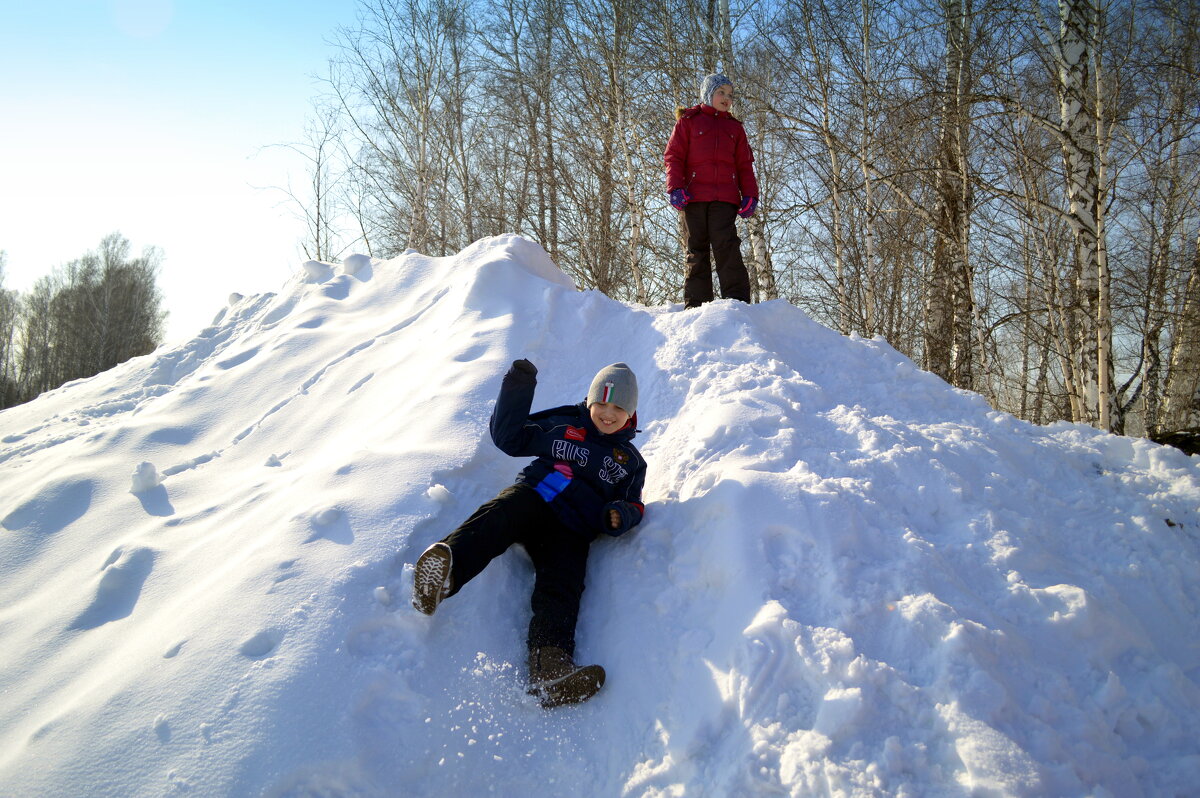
x,y
509,431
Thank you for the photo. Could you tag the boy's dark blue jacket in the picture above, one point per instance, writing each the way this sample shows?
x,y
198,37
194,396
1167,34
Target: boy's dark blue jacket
x,y
580,471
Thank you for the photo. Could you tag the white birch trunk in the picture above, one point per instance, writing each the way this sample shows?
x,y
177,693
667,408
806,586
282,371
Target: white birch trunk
x,y
761,254
632,198
1077,133
1181,407
865,147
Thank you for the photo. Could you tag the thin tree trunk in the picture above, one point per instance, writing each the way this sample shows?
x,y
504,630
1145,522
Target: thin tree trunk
x,y
1181,408
865,157
1077,132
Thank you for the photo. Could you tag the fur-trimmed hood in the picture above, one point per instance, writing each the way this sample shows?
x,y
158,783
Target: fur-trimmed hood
x,y
681,112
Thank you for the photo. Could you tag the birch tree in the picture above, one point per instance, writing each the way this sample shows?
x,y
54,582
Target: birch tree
x,y
1072,49
523,43
978,182
1164,203
1181,410
950,306
389,81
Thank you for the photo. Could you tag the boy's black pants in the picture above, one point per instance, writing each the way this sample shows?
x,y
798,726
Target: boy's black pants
x,y
520,515
713,225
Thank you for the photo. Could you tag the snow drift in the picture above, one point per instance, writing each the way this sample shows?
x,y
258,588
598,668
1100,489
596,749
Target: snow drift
x,y
852,579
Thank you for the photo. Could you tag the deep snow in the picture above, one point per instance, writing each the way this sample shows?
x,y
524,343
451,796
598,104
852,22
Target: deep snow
x,y
851,580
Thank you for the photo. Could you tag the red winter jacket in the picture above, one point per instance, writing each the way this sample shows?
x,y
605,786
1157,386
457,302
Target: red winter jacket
x,y
709,156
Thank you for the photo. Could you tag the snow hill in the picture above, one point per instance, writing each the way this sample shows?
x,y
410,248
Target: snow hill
x,y
852,579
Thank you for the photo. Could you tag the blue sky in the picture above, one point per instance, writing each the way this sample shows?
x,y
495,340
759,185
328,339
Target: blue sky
x,y
159,120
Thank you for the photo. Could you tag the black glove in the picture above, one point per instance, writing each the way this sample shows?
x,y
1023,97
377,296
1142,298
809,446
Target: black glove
x,y
525,367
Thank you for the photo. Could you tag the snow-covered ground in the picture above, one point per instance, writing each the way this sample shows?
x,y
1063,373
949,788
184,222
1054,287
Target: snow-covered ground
x,y
851,580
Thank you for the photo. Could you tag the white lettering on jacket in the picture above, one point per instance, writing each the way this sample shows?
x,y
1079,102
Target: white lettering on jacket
x,y
565,450
612,473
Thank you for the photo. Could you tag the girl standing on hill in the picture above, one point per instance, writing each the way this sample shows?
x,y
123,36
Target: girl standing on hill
x,y
710,178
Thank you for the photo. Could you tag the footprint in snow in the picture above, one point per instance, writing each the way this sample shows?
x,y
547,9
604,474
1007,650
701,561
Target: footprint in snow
x,y
312,323
337,289
279,312
162,728
330,524
262,644
176,436
119,588
53,507
472,353
286,572
238,359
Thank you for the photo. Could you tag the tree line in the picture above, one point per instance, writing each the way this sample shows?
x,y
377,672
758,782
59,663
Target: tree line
x,y
83,318
1006,192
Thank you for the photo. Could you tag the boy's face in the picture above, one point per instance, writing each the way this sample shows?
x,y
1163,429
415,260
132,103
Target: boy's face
x,y
722,97
607,417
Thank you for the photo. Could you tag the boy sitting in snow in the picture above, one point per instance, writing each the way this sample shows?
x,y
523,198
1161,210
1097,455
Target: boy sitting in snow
x,y
587,479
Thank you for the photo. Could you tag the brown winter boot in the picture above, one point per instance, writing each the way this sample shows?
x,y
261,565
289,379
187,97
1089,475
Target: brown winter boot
x,y
431,578
556,680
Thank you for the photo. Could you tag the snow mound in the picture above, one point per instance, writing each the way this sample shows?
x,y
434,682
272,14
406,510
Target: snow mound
x,y
852,579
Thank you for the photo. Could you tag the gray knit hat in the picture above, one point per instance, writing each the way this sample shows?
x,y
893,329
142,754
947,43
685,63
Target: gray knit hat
x,y
615,384
711,84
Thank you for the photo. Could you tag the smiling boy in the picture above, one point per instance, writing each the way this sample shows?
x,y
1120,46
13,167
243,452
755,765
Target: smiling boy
x,y
586,478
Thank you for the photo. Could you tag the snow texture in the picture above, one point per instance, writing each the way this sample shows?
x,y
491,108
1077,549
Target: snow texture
x,y
852,580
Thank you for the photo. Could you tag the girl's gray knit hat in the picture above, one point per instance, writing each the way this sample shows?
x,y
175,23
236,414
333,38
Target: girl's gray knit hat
x,y
616,384
711,84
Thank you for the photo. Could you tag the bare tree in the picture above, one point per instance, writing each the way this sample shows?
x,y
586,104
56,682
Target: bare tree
x,y
390,84
36,372
1006,192
523,45
950,307
1073,53
318,203
88,316
1165,182
1181,409
9,310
